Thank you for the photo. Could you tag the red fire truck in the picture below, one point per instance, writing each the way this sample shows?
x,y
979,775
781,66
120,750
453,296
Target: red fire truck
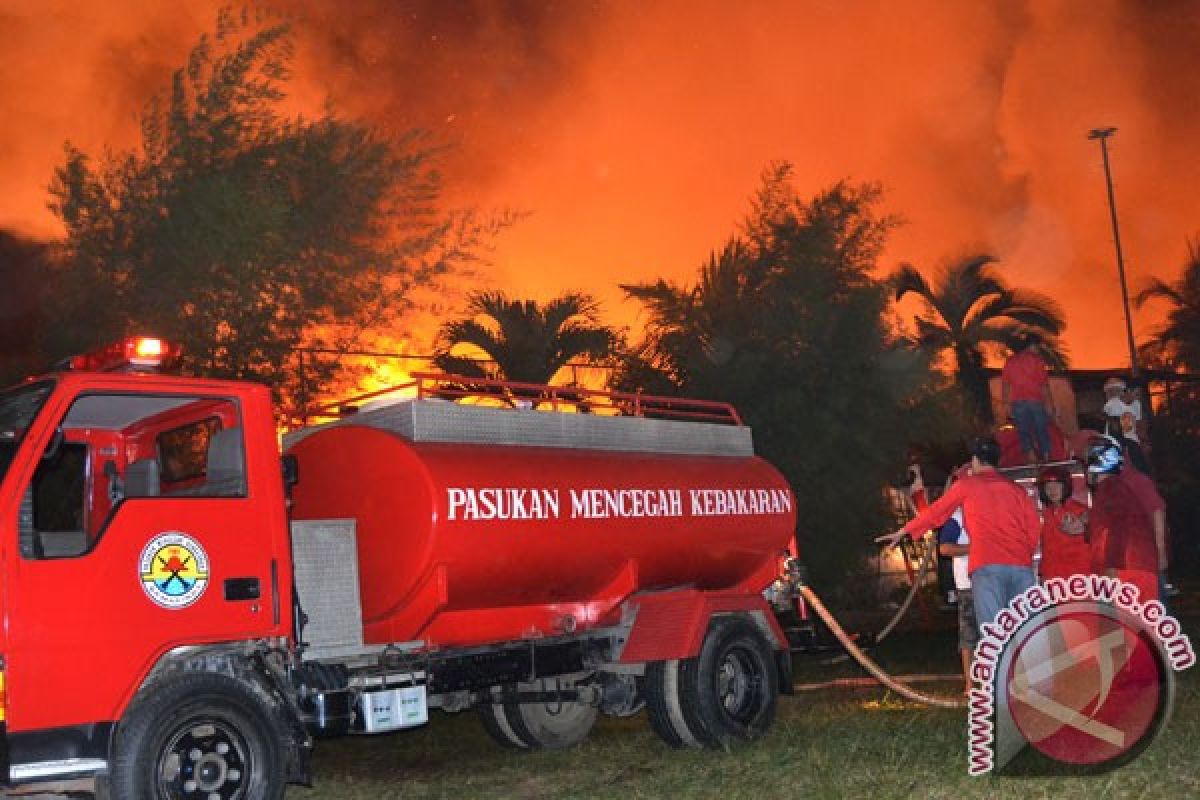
x,y
185,609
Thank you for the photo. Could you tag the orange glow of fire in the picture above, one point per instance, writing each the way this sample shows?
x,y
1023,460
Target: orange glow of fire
x,y
635,132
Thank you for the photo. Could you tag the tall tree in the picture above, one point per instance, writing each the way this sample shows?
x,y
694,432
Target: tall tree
x,y
526,341
787,323
970,311
246,234
1176,343
23,305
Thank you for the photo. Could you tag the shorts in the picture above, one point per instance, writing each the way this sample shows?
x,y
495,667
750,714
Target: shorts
x,y
968,629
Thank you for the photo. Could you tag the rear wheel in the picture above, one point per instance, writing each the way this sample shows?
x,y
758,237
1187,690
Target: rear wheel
x,y
495,722
729,692
199,737
551,726
539,726
663,705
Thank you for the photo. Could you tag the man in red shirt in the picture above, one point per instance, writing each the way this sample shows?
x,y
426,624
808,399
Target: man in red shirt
x,y
1120,531
1004,528
1025,391
1142,485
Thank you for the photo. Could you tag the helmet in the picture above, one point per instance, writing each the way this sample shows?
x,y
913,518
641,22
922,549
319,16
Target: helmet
x,y
1104,456
1053,475
1114,383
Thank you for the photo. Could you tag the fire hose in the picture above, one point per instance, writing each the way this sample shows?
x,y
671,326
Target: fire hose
x,y
922,568
868,664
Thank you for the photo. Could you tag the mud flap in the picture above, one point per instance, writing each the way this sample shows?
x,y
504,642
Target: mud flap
x,y
783,660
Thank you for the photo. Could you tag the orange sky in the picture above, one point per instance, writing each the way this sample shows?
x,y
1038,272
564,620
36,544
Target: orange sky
x,y
635,131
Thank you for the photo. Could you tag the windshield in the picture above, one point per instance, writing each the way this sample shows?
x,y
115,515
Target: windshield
x,y
18,407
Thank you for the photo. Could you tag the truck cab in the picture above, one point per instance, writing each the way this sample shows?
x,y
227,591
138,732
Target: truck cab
x,y
140,515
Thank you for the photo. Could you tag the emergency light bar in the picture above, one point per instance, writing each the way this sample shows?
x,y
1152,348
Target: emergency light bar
x,y
135,354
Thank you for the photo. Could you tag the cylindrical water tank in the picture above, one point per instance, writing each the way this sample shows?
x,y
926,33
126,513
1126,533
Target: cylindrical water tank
x,y
461,544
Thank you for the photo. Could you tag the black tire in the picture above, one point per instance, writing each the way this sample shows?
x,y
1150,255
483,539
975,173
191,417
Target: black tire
x,y
663,705
495,722
197,736
550,726
729,692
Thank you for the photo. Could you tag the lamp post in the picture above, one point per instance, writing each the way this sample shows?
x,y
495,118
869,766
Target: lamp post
x,y
1102,135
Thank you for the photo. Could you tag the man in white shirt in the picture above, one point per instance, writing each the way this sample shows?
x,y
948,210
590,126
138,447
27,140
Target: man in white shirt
x,y
1123,411
953,542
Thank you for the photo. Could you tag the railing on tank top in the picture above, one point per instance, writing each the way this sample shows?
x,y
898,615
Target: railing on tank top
x,y
542,397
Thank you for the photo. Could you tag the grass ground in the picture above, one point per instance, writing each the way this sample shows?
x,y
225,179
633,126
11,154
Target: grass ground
x,y
831,744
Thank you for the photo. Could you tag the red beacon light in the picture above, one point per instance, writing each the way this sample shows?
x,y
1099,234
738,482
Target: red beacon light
x,y
135,354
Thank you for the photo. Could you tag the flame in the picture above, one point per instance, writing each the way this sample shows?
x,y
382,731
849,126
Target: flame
x,y
635,132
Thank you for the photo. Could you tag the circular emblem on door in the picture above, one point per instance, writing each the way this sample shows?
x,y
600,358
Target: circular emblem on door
x,y
174,570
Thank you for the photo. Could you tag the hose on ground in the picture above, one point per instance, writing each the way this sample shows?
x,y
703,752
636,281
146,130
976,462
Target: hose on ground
x,y
870,683
869,665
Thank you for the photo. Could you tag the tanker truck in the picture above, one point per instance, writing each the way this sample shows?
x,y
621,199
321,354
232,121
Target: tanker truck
x,y
187,609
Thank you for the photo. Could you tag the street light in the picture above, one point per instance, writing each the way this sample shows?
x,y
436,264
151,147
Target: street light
x,y
1102,135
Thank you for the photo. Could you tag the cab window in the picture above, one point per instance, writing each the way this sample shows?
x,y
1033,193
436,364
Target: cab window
x,y
110,449
183,451
54,511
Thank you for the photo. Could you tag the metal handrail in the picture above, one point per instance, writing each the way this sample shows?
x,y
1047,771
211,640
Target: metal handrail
x,y
429,385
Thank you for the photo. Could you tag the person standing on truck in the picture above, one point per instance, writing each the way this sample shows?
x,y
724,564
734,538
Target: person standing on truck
x,y
1120,532
1123,411
1004,528
1025,392
1065,549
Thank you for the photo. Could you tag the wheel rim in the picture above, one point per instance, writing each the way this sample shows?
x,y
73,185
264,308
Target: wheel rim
x,y
740,679
205,759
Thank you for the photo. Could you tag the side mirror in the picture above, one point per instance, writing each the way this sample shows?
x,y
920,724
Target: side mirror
x,y
291,472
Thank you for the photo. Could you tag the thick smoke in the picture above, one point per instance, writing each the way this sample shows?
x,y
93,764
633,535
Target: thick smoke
x,y
635,131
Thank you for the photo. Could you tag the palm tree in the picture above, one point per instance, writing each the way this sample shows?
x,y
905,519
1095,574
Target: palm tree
x,y
1177,341
694,332
525,341
970,311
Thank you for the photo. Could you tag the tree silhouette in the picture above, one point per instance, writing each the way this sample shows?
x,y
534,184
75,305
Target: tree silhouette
x,y
1176,343
786,322
969,311
23,305
245,234
526,342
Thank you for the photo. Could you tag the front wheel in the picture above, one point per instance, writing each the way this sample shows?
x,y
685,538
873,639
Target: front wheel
x,y
199,737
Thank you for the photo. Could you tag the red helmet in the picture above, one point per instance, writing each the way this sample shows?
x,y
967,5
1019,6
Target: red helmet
x,y
1052,474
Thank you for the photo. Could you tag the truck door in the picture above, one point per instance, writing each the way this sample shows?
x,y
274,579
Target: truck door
x,y
95,602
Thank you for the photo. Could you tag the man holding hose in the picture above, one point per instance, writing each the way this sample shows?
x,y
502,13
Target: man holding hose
x,y
1004,528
